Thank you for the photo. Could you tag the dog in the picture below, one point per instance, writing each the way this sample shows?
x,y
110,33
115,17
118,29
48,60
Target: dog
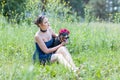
x,y
63,36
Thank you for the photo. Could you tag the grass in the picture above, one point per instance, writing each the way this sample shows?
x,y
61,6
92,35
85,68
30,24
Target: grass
x,y
94,45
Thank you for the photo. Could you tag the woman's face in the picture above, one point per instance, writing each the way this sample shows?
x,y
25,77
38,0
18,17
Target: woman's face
x,y
45,24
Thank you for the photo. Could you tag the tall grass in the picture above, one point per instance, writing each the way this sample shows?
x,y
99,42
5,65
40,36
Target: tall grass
x,y
94,45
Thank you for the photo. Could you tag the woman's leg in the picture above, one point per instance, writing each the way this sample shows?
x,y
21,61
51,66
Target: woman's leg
x,y
64,57
63,50
60,58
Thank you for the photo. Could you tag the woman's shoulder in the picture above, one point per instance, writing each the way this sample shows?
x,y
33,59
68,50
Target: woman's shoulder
x,y
37,35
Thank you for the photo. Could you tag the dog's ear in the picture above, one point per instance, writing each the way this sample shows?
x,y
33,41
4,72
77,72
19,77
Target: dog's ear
x,y
61,38
64,31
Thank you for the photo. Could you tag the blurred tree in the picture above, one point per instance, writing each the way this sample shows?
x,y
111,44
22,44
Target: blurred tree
x,y
96,8
12,8
78,6
112,7
44,2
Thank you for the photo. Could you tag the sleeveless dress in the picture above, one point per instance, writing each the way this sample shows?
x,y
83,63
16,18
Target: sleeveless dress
x,y
40,56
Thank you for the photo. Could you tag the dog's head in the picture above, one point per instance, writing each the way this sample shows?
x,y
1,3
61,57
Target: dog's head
x,y
64,35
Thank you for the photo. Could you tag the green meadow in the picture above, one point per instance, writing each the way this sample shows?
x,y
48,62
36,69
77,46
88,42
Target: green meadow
x,y
96,46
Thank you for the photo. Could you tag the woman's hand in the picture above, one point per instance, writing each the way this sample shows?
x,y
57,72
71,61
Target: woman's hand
x,y
63,43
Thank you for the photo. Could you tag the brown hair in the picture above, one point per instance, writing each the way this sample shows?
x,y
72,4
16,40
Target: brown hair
x,y
39,20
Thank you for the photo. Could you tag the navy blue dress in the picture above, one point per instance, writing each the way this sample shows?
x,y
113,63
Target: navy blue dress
x,y
39,55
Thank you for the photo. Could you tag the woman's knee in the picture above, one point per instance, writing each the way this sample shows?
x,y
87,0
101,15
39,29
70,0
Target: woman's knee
x,y
61,49
55,57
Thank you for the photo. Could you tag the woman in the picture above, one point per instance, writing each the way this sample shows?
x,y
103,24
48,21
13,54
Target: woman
x,y
44,50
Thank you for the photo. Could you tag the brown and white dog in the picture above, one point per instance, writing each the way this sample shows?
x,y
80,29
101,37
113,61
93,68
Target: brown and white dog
x,y
63,36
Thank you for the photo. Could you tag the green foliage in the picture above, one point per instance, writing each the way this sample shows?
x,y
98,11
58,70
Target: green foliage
x,y
65,10
60,10
12,9
19,11
78,6
102,10
55,9
97,8
116,18
32,10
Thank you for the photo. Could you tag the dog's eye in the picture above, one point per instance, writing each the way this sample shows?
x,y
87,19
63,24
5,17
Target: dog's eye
x,y
67,37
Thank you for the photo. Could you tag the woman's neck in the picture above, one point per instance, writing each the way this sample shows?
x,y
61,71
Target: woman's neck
x,y
43,30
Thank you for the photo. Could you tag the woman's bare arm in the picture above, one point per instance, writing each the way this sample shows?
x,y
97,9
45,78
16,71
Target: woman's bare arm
x,y
43,46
